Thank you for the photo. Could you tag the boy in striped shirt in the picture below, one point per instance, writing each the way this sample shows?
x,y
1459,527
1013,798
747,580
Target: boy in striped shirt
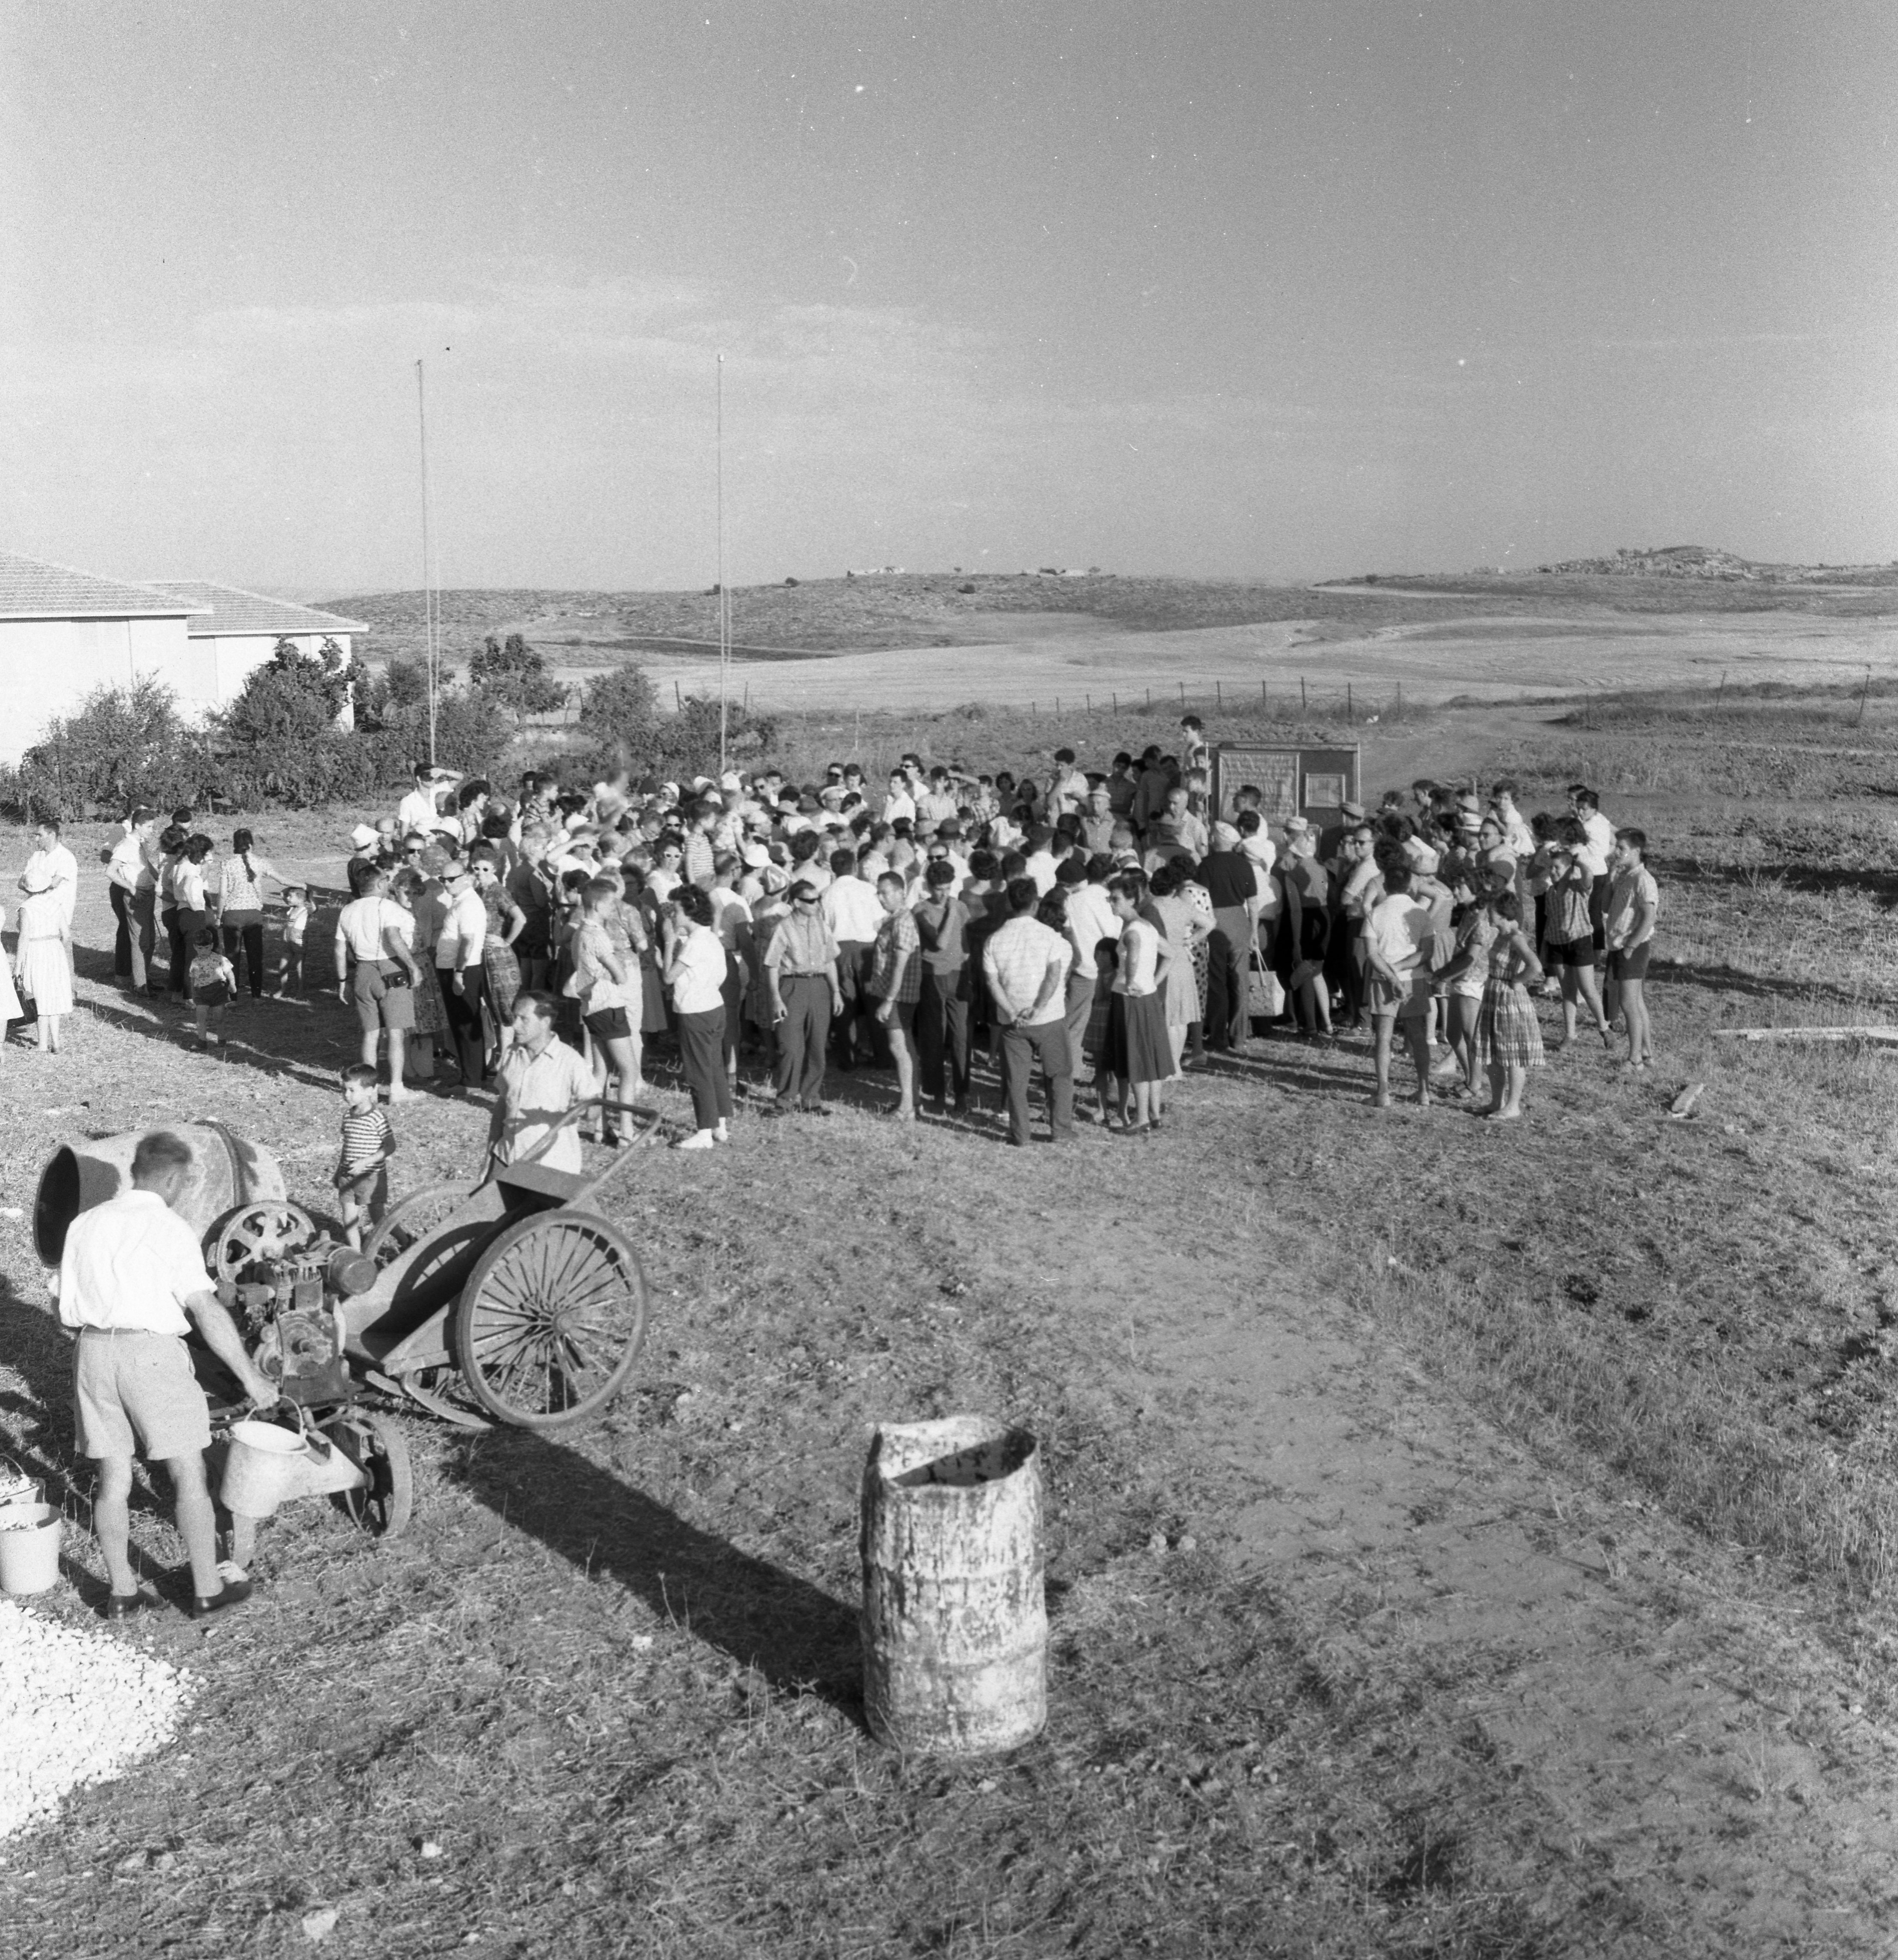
x,y
368,1142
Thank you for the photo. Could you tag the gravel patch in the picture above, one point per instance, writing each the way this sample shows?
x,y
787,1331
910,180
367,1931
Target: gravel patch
x,y
76,1707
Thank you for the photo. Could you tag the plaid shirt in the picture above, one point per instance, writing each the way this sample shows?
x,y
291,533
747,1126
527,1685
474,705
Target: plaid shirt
x,y
1015,958
895,936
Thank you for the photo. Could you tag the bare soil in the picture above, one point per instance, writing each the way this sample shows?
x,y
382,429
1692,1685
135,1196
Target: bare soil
x,y
1460,1543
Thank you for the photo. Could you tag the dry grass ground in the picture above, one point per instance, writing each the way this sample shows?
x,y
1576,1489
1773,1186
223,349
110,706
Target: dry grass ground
x,y
1460,1543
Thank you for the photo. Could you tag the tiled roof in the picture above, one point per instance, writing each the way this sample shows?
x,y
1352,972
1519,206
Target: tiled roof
x,y
32,590
229,608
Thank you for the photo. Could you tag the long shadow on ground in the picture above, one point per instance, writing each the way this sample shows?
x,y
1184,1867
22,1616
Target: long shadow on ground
x,y
797,1636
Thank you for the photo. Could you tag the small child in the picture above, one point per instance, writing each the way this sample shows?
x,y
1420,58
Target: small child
x,y
368,1142
212,981
296,925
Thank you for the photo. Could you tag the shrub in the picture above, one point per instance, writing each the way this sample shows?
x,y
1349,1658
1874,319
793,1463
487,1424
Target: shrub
x,y
515,676
292,700
621,709
120,746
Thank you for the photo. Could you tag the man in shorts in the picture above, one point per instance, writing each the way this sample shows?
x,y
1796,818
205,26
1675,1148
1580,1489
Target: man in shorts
x,y
1398,936
1634,902
131,1274
377,974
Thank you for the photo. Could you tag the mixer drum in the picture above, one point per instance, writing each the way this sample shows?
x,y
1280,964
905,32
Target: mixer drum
x,y
227,1171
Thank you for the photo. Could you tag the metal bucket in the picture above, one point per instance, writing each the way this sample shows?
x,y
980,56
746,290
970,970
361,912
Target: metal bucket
x,y
264,1466
227,1171
30,1536
954,1620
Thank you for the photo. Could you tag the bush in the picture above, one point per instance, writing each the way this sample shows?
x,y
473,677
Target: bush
x,y
621,710
515,676
120,746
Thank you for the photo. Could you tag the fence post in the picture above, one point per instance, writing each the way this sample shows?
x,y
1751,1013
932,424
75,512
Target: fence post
x,y
1303,704
1349,712
1399,715
1149,697
1183,694
678,700
1057,707
1113,693
1219,695
1864,695
1090,699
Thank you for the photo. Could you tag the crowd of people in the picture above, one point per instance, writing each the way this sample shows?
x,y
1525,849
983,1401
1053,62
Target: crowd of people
x,y
1104,930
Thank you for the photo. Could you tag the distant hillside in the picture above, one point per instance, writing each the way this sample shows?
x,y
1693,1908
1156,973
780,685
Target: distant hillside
x,y
842,615
1706,561
1676,578
894,611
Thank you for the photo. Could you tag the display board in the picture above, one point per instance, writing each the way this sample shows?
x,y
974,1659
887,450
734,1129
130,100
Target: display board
x,y
1311,783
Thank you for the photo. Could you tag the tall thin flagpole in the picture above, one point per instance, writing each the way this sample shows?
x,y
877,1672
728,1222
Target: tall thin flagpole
x,y
724,598
427,588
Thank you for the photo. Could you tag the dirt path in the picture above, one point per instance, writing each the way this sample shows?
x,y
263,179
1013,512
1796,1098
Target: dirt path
x,y
1683,1750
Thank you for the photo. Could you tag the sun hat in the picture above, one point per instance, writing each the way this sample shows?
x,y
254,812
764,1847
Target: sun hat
x,y
1352,812
755,856
1224,833
363,835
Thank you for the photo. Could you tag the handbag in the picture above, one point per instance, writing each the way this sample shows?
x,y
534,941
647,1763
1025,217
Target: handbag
x,y
1264,993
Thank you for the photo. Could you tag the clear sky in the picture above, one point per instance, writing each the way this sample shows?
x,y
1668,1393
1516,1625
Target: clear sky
x,y
1238,287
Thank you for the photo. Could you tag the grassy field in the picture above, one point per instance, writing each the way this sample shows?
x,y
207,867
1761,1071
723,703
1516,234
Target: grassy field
x,y
1460,1544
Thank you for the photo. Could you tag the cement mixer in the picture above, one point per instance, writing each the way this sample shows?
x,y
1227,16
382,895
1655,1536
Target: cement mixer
x,y
281,1280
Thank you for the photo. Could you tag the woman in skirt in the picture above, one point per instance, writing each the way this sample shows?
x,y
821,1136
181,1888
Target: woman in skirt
x,y
44,961
1508,1041
506,923
1139,1052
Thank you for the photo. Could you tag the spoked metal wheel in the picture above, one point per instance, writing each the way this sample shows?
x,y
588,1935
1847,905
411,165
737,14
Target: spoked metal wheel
x,y
257,1231
376,1445
551,1322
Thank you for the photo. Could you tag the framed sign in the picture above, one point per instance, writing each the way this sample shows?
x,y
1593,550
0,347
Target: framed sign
x,y
1311,783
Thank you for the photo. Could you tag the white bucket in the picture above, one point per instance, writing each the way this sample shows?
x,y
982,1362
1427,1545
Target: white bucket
x,y
30,1536
262,1468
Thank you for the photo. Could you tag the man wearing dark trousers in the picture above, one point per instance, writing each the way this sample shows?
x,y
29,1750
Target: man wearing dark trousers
x,y
1025,964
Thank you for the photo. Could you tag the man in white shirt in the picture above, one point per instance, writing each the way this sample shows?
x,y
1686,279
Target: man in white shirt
x,y
53,868
1090,919
1041,859
1592,855
377,974
542,1079
1025,964
851,910
132,1280
131,883
1398,933
417,810
899,803
460,952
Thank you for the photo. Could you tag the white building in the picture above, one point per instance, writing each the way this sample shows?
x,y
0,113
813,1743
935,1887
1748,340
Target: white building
x,y
241,629
63,633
